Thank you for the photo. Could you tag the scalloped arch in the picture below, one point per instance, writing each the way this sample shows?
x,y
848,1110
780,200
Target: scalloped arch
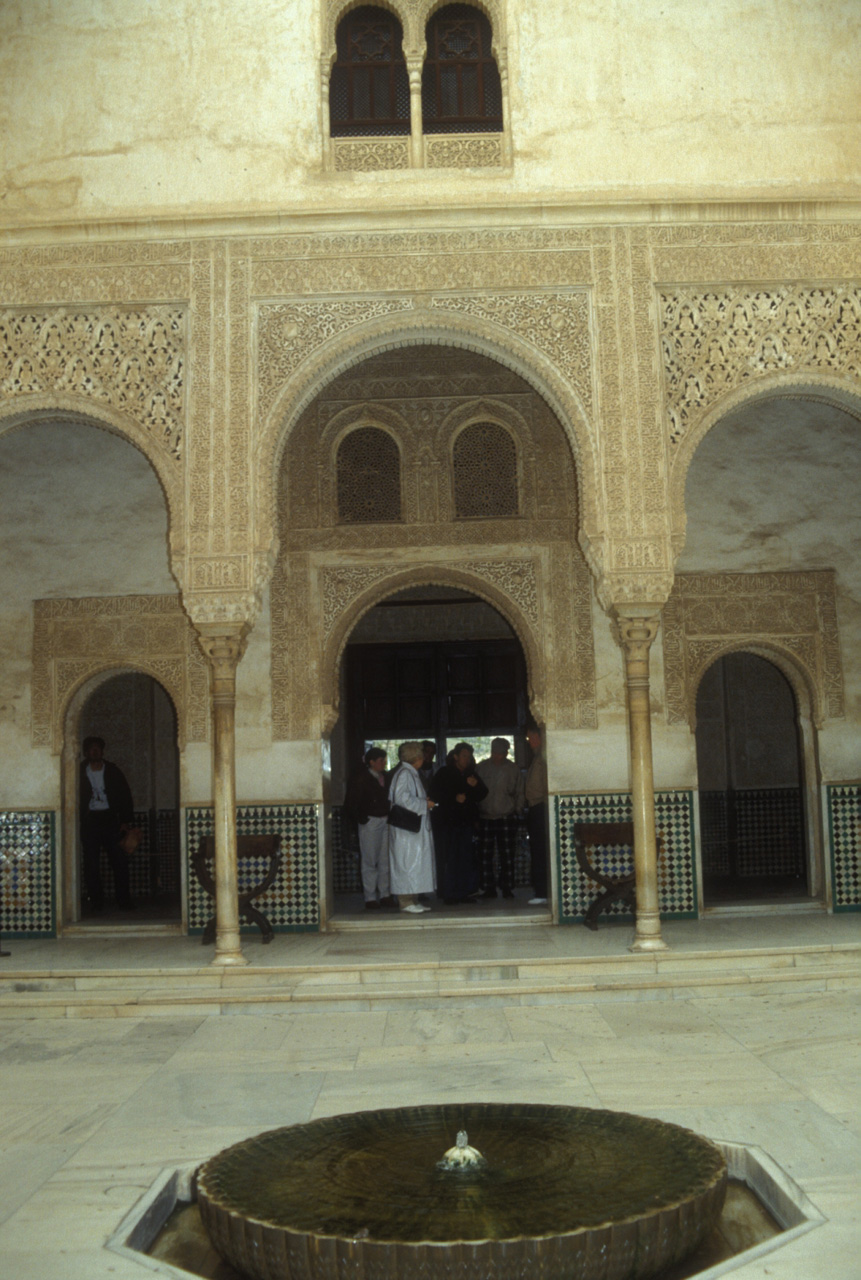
x,y
431,576
18,414
88,681
801,679
824,389
394,332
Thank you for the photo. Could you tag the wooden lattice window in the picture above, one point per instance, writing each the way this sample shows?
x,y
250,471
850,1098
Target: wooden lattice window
x,y
461,89
369,477
369,90
485,472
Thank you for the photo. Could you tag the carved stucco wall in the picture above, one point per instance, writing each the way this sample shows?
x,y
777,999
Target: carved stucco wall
x,y
527,566
790,618
74,640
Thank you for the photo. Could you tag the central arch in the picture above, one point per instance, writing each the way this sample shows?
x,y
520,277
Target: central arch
x,y
428,575
402,329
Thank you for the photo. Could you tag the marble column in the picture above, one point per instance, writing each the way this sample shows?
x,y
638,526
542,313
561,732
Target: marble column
x,y
414,71
223,645
636,634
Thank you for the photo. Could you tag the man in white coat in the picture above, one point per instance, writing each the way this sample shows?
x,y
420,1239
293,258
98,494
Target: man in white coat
x,y
411,852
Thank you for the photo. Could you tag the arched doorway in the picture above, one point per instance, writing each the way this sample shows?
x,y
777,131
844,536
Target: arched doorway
x,y
432,663
751,784
135,717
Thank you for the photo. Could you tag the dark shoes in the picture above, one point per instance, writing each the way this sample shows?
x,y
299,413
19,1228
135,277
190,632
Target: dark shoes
x,y
508,893
372,905
389,902
488,893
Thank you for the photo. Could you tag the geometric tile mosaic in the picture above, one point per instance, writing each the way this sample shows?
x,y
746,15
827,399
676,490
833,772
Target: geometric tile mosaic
x,y
677,887
291,904
768,832
844,826
27,873
154,865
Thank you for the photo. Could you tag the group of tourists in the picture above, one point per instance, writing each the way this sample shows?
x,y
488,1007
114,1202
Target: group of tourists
x,y
451,832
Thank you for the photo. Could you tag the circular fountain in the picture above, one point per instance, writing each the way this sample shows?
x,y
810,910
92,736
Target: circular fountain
x,y
546,1193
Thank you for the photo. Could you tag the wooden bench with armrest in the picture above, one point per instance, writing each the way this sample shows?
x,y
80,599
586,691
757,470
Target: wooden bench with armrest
x,y
597,835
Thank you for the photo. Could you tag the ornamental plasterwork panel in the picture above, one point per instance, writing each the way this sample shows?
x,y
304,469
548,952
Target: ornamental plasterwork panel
x,y
367,155
130,358
468,151
78,638
714,341
790,616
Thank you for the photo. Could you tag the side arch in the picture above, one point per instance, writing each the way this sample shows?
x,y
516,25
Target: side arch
x,y
408,329
822,389
18,414
426,576
801,680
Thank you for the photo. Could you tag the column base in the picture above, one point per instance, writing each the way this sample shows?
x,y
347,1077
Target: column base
x,y
231,957
648,942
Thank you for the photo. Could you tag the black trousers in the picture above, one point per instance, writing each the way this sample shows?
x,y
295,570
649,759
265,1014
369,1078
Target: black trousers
x,y
497,835
536,827
100,829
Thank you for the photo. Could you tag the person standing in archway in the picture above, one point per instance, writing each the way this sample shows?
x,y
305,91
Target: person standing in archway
x,y
106,812
497,813
458,791
410,851
537,817
367,804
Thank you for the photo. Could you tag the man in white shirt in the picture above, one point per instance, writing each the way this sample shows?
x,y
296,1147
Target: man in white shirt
x,y
497,826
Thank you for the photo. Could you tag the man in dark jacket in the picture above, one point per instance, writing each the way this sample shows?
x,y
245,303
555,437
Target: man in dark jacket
x,y
106,811
366,802
457,792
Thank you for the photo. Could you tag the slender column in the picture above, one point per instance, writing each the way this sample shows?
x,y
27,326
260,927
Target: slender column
x,y
637,634
414,71
223,646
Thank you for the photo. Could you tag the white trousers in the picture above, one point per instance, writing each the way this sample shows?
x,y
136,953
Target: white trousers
x,y
374,846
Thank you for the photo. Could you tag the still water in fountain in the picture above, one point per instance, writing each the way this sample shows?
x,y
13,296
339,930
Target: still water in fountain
x,y
544,1171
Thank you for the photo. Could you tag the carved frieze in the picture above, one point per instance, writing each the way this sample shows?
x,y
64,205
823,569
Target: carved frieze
x,y
715,340
130,358
472,151
365,155
78,638
790,616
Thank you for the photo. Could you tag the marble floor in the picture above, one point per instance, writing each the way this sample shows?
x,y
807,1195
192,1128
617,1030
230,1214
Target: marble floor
x,y
92,1109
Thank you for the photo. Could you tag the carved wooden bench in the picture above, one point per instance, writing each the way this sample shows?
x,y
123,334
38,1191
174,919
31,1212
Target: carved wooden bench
x,y
608,835
246,847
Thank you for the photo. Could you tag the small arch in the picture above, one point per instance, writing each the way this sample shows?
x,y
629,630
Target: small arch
x,y
461,85
368,471
69,720
437,576
760,812
819,388
369,91
484,460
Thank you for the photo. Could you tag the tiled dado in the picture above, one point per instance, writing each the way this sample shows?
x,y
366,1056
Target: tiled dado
x,y
291,904
677,890
844,832
27,873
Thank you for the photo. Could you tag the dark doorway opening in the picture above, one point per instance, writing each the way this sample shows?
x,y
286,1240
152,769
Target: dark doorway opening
x,y
751,792
136,718
428,663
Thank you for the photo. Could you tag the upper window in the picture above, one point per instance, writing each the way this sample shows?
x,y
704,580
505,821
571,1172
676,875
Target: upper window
x,y
485,472
369,477
461,90
369,91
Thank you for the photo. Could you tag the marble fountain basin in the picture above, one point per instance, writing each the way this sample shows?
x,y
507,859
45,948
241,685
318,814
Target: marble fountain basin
x,y
558,1193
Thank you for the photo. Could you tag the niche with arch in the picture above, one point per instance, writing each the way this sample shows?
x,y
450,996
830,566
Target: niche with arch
x,y
135,716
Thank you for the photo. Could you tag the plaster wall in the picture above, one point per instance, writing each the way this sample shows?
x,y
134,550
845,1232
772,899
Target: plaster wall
x,y
81,514
110,110
774,486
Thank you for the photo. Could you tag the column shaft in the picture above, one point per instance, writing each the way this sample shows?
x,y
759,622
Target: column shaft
x,y
223,648
637,634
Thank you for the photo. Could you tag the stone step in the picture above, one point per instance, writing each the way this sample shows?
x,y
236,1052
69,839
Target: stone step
x,y
667,975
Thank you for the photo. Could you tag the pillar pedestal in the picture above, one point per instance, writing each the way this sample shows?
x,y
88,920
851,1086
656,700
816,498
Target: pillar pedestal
x,y
636,634
223,646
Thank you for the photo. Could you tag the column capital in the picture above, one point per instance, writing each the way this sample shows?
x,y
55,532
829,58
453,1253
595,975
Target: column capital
x,y
637,630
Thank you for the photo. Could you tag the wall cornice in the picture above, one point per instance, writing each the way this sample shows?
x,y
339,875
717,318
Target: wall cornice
x,y
487,213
